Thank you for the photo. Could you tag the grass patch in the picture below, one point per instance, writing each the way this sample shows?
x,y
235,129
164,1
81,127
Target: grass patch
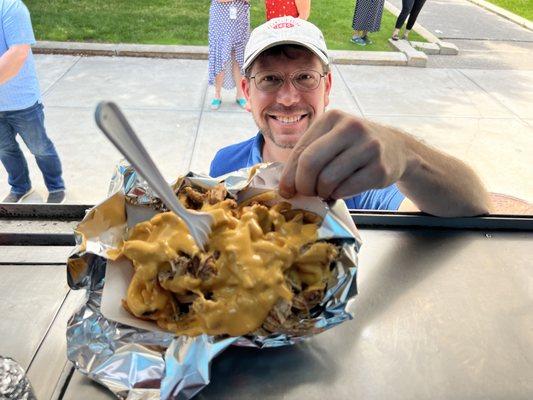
x,y
524,8
179,21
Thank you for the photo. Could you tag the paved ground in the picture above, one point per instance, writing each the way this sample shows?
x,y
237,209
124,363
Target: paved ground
x,y
485,40
474,106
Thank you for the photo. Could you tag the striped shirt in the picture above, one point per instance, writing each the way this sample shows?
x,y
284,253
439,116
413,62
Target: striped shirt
x,y
21,91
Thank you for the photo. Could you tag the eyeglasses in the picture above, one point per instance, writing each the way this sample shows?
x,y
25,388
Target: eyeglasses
x,y
271,81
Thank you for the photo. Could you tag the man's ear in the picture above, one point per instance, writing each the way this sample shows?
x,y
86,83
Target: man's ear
x,y
329,81
245,87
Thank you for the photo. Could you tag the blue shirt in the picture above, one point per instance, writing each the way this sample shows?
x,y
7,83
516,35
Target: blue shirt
x,y
248,153
21,91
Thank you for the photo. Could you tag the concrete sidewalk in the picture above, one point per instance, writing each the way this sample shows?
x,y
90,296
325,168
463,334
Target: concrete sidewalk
x,y
485,40
461,19
481,116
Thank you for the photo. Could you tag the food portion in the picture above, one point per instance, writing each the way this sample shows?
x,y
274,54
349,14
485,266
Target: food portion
x,y
263,270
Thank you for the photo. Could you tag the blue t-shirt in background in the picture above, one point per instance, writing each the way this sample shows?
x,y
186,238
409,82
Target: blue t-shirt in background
x,y
21,91
248,153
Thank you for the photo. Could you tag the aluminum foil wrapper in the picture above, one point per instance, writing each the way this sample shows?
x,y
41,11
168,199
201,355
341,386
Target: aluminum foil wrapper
x,y
14,384
137,363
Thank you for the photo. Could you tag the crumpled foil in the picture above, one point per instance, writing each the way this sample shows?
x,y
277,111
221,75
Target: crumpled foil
x,y
14,384
142,364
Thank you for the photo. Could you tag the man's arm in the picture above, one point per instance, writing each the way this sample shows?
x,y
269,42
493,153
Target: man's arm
x,y
304,8
12,61
340,156
440,184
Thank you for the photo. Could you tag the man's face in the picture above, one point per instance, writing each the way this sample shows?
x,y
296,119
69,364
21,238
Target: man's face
x,y
285,114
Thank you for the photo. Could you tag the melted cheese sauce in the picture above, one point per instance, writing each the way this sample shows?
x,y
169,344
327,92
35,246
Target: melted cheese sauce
x,y
251,251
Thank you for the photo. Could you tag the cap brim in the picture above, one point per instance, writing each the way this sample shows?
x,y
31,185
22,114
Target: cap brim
x,y
323,57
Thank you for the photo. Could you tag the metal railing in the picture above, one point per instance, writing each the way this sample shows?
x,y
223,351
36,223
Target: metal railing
x,y
55,223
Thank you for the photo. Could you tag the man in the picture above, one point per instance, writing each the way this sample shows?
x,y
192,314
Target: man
x,y
333,154
21,111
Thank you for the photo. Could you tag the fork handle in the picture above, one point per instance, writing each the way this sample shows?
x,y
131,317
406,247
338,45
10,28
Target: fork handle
x,y
113,123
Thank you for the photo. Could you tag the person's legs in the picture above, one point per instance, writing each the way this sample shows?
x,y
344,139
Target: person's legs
x,y
407,6
217,100
358,22
358,38
29,123
12,158
365,37
237,76
219,80
413,15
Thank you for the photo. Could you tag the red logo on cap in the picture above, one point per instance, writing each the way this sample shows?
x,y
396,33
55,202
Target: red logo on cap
x,y
283,25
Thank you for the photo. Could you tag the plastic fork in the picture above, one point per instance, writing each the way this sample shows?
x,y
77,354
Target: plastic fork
x,y
114,125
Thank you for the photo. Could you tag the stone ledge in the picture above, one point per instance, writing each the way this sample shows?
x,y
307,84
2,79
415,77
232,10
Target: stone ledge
x,y
442,48
368,57
415,58
200,52
448,49
162,51
75,48
427,48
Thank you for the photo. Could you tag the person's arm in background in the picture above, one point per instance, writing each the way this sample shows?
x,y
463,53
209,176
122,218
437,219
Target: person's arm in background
x,y
304,8
12,61
18,36
341,155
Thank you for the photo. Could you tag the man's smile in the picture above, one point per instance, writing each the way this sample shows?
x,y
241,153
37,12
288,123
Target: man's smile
x,y
288,119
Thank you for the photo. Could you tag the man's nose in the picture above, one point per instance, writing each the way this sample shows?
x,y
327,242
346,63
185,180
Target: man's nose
x,y
288,94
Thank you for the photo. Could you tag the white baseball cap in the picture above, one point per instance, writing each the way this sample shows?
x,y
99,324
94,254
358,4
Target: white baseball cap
x,y
285,30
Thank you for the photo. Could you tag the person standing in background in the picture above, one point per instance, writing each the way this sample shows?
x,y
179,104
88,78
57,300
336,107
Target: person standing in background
x,y
229,29
411,8
281,8
21,111
366,18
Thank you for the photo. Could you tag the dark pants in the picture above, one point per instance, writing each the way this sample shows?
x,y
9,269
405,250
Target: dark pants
x,y
29,124
411,8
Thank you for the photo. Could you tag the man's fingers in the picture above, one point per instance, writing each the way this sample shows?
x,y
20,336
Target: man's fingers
x,y
316,157
319,145
368,177
287,187
339,169
287,184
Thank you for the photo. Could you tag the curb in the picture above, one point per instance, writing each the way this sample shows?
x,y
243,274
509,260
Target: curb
x,y
121,50
517,19
446,48
415,58
388,58
348,57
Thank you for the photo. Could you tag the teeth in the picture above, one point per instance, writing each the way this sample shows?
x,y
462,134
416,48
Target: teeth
x,y
288,120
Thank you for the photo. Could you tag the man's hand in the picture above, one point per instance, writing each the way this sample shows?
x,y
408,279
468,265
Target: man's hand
x,y
341,155
12,61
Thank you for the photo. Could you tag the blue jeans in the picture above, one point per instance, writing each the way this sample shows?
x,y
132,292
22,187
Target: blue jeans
x,y
29,124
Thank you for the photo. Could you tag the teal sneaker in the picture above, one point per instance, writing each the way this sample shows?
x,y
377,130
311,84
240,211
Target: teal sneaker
x,y
367,40
241,102
215,104
358,40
